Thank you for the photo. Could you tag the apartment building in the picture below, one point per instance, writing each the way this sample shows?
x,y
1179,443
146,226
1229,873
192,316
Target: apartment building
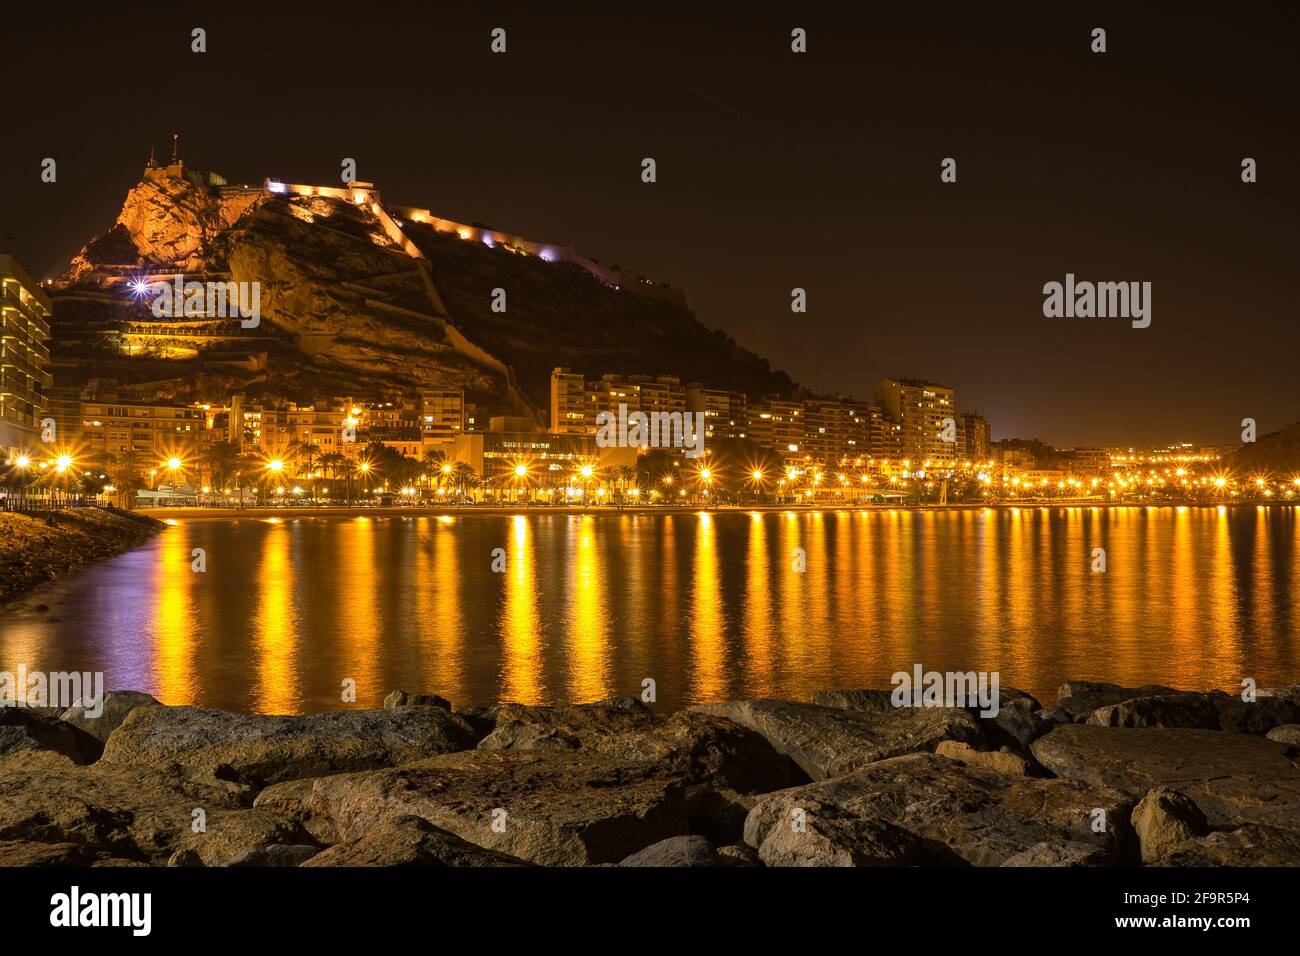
x,y
24,357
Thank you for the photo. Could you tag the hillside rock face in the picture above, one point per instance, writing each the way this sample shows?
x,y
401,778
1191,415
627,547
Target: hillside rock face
x,y
349,307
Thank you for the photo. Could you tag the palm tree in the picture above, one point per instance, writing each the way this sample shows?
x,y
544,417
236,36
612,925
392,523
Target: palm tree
x,y
305,454
333,464
464,477
220,459
433,459
625,474
126,474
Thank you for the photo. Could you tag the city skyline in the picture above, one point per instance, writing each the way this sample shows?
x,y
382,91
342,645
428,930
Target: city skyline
x,y
764,190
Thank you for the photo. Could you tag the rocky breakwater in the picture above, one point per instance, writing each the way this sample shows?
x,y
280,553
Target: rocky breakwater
x,y
37,549
1106,776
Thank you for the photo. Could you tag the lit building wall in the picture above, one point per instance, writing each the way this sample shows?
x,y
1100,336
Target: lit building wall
x,y
24,357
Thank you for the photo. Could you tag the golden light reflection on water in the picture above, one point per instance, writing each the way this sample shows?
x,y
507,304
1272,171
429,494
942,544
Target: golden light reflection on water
x,y
359,642
707,628
521,665
175,636
275,628
589,650
707,604
440,624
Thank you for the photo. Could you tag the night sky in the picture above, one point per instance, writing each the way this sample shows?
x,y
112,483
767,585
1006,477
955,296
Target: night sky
x,y
775,170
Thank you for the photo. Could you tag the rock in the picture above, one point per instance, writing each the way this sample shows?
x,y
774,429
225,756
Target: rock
x,y
135,813
1164,818
1285,734
555,809
400,698
1233,778
1212,711
231,834
567,727
863,701
1004,730
410,841
517,735
923,808
738,855
717,813
827,742
1070,853
1079,698
15,853
21,729
291,854
1019,722
292,799
258,750
1289,693
1251,845
675,851
117,704
693,746
21,853
1000,761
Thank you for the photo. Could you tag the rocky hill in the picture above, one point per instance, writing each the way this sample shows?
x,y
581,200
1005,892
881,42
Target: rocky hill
x,y
350,308
1276,452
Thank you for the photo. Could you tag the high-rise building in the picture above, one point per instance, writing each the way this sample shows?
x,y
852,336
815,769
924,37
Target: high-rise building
x,y
725,413
442,416
569,403
777,425
976,435
24,358
926,414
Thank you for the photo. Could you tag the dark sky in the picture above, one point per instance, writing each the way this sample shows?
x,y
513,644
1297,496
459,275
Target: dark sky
x,y
776,170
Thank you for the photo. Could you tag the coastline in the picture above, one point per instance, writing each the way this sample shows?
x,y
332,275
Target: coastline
x,y
322,511
34,552
1104,776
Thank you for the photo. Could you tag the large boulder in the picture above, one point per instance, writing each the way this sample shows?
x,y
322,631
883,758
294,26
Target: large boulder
x,y
409,841
115,708
228,835
23,853
1077,699
1069,854
260,750
678,851
697,747
1251,845
827,742
134,813
22,729
1233,778
923,808
400,698
1163,819
1001,761
1211,711
275,855
1286,734
555,809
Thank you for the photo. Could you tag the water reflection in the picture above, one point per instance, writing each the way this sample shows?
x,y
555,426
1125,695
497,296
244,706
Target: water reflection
x,y
709,605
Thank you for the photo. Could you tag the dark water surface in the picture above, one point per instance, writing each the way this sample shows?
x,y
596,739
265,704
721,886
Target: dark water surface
x,y
707,605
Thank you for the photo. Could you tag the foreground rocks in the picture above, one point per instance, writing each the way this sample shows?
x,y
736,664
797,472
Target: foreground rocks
x,y
1106,776
255,750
